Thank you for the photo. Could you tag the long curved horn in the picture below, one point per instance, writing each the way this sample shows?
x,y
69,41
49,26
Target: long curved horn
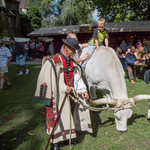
x,y
141,97
101,101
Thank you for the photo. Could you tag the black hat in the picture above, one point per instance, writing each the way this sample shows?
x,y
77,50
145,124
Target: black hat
x,y
71,42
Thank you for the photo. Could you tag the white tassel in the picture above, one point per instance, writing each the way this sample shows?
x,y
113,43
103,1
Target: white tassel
x,y
148,114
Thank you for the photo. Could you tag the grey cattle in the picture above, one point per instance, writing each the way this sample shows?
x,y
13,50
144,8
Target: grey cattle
x,y
105,72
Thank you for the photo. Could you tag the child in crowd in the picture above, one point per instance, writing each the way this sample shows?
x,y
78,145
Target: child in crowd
x,y
100,34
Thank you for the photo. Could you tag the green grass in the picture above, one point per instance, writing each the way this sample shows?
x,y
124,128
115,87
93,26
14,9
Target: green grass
x,y
22,125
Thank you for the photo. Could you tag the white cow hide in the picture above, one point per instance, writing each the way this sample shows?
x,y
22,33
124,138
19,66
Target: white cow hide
x,y
105,72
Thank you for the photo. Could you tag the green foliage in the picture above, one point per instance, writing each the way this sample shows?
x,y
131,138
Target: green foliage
x,y
84,10
123,10
25,24
34,15
65,12
31,20
3,25
68,15
47,11
75,12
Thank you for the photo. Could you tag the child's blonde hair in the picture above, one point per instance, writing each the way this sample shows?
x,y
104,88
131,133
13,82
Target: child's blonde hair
x,y
101,21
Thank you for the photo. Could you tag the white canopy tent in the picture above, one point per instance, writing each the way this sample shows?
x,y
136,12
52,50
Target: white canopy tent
x,y
22,40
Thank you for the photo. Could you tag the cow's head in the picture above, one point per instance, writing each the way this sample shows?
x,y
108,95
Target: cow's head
x,y
122,109
121,118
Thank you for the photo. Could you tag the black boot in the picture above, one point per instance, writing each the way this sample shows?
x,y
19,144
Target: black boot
x,y
54,147
73,142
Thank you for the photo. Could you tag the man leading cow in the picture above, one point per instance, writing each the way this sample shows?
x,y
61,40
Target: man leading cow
x,y
55,79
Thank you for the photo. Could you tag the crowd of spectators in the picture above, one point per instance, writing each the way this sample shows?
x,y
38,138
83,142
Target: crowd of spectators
x,y
20,52
132,55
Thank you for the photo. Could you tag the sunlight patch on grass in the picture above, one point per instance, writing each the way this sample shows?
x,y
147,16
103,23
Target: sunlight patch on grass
x,y
14,123
37,67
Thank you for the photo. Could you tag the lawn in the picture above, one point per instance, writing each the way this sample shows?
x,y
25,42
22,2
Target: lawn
x,y
23,127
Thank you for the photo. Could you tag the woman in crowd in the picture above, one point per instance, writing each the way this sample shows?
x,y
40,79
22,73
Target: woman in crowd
x,y
119,51
41,50
141,48
137,54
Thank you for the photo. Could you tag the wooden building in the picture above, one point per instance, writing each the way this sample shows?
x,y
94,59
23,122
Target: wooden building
x,y
118,31
23,6
10,9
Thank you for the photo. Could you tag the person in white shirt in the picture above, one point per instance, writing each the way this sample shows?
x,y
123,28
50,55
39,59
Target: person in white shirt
x,y
5,58
76,55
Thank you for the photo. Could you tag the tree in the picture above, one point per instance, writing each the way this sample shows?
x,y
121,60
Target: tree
x,y
48,11
4,25
140,9
83,10
75,12
65,12
31,20
25,24
123,10
34,15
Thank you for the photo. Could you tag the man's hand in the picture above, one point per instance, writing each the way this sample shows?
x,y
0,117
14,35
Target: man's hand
x,y
136,62
85,95
68,89
85,56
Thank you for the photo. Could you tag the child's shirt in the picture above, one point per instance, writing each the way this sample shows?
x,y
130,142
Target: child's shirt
x,y
98,35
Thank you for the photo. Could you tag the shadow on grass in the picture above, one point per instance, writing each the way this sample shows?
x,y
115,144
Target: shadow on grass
x,y
22,123
133,118
22,133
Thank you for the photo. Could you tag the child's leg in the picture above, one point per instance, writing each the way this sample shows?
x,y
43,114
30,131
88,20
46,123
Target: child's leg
x,y
91,49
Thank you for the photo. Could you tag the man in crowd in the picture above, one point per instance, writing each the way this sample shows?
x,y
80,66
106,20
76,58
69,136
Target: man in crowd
x,y
128,64
51,48
76,56
20,55
32,47
123,47
73,117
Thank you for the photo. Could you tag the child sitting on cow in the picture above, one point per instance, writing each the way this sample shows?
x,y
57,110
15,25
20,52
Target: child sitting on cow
x,y
100,34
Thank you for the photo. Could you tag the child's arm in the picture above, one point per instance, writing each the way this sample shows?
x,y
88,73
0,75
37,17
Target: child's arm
x,y
106,42
97,46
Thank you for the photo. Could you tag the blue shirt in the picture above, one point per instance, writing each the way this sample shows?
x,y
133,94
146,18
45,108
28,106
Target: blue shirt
x,y
129,60
14,48
51,48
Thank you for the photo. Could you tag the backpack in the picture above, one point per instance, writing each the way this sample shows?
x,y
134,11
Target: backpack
x,y
41,48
